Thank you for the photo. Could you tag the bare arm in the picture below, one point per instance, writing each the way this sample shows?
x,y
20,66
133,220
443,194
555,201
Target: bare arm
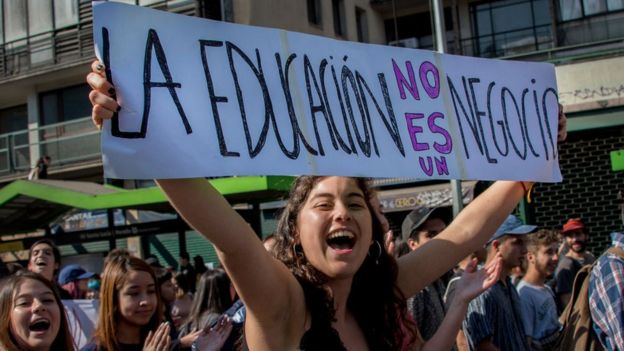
x,y
471,284
273,297
469,231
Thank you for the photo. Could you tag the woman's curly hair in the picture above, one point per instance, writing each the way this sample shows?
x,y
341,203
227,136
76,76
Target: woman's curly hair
x,y
375,301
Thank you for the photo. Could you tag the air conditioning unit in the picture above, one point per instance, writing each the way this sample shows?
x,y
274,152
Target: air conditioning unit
x,y
405,43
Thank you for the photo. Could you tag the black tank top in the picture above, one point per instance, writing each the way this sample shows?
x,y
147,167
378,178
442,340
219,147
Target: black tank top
x,y
321,335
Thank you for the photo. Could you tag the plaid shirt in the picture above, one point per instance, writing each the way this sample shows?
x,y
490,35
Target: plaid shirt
x,y
606,297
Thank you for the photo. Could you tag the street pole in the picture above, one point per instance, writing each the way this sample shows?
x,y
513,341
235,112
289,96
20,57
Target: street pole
x,y
439,31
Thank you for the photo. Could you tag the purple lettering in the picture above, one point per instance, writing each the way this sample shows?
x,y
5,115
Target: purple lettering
x,y
447,147
413,130
441,165
402,82
426,68
423,166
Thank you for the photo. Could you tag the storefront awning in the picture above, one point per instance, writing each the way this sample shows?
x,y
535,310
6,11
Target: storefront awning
x,y
30,205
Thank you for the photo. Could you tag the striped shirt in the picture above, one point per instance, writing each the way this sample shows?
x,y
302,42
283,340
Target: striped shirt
x,y
606,300
496,314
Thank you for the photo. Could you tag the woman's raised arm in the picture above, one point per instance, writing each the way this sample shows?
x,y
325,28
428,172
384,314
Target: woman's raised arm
x,y
468,232
272,295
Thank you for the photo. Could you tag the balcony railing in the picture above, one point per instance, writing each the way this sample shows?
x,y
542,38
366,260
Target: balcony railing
x,y
67,143
65,45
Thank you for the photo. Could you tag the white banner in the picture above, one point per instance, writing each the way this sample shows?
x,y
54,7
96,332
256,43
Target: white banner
x,y
82,316
205,98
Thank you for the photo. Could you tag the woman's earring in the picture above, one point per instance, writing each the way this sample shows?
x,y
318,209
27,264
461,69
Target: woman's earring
x,y
378,253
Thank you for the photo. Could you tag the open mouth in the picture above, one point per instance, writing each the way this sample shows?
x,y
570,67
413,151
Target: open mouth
x,y
39,325
41,263
341,240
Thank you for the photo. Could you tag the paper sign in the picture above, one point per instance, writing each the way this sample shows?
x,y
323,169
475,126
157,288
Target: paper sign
x,y
206,98
82,316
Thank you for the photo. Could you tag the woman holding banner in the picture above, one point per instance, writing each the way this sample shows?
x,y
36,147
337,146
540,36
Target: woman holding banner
x,y
332,286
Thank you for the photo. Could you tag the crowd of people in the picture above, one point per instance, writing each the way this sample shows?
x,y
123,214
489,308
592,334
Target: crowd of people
x,y
330,278
513,302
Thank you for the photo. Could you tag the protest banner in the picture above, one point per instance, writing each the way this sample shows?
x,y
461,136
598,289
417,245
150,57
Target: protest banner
x,y
82,317
207,98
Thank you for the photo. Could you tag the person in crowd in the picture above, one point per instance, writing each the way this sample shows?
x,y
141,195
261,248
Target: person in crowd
x,y
183,301
131,311
32,316
606,293
168,296
576,238
332,285
93,288
187,271
44,258
427,306
494,319
200,266
539,310
152,260
74,279
215,294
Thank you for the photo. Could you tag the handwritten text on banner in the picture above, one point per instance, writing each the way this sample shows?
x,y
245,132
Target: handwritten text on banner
x,y
206,98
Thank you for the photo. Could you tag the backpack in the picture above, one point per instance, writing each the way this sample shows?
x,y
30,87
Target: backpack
x,y
577,331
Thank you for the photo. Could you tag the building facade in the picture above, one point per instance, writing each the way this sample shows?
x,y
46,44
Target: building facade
x,y
46,47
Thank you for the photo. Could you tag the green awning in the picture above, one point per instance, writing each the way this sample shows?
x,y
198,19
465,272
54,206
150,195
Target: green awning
x,y
30,205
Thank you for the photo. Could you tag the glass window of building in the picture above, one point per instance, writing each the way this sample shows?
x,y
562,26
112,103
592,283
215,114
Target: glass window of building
x,y
510,27
361,23
575,9
415,30
314,12
13,119
338,10
65,104
14,12
65,13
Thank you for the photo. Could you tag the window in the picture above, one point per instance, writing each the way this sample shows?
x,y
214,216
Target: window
x,y
415,30
13,119
20,18
65,104
575,9
65,13
362,25
511,27
314,12
14,20
339,17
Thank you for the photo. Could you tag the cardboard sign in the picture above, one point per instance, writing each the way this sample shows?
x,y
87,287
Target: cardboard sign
x,y
205,98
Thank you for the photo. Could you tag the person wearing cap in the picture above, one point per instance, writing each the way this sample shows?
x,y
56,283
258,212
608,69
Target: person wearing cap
x,y
494,319
427,307
576,236
74,279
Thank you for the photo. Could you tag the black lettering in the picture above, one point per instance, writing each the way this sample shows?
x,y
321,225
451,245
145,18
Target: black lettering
x,y
322,68
479,114
501,124
215,99
504,91
550,133
391,126
348,79
471,124
289,104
